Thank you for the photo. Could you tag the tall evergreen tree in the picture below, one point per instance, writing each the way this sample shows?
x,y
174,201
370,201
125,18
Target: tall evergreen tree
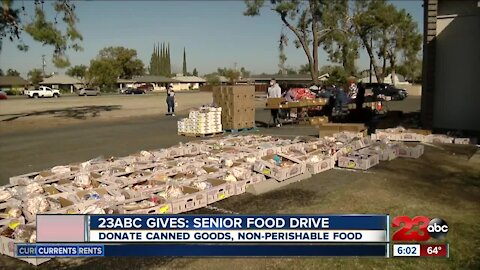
x,y
153,69
169,67
184,62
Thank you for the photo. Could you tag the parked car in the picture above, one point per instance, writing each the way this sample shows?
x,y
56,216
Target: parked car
x,y
122,90
145,87
390,91
88,92
133,91
3,95
42,91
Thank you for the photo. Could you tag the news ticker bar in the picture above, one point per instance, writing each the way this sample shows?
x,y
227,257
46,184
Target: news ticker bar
x,y
196,250
213,228
421,250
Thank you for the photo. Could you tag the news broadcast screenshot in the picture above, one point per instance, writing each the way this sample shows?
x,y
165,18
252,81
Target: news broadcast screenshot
x,y
256,134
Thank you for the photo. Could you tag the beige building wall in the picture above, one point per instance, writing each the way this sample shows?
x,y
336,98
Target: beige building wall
x,y
456,99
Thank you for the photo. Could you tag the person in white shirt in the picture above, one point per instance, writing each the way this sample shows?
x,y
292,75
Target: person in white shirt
x,y
274,91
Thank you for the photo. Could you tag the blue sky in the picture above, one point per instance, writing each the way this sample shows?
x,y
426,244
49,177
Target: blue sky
x,y
214,33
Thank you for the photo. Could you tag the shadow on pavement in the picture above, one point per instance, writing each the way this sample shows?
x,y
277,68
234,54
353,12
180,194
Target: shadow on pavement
x,y
81,112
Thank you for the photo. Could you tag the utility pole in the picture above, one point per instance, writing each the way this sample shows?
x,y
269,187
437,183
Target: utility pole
x,y
43,64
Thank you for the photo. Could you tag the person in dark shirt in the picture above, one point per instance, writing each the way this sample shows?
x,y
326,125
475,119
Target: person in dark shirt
x,y
360,96
170,100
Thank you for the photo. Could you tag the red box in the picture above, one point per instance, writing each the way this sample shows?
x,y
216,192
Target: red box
x,y
434,250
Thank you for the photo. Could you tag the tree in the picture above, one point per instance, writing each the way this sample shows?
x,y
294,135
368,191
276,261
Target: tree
x,y
288,70
154,68
78,71
244,73
411,68
42,28
308,28
232,74
12,72
212,79
305,69
337,74
35,76
195,72
282,57
401,37
340,45
1,72
160,61
184,63
103,73
123,59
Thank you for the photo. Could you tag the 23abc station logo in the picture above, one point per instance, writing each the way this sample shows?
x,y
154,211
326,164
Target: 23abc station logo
x,y
420,228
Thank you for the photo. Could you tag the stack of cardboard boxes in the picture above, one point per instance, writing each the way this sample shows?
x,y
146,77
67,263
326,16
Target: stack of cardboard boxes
x,y
238,105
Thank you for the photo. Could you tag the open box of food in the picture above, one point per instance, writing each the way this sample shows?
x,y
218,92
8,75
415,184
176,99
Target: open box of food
x,y
287,168
153,204
357,160
191,199
407,151
10,211
54,173
385,152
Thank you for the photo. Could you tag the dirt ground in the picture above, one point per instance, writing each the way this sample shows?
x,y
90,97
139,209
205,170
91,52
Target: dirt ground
x,y
444,183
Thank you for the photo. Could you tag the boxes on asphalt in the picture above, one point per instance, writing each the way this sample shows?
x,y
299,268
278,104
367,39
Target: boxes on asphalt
x,y
385,152
144,205
319,120
330,128
438,138
220,190
357,160
461,141
406,151
286,167
324,164
7,247
192,199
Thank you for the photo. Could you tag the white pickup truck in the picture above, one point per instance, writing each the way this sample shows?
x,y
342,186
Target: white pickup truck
x,y
43,91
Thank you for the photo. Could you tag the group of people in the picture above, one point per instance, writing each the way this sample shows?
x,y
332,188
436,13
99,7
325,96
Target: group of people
x,y
338,97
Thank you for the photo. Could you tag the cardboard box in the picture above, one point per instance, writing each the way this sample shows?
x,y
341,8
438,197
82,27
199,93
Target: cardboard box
x,y
385,152
325,164
330,128
275,103
406,151
461,140
7,247
130,207
220,190
316,121
358,161
267,168
193,199
438,138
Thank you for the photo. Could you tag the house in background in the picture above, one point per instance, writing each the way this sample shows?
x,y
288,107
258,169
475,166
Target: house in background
x,y
398,79
62,82
125,83
158,82
15,83
187,82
